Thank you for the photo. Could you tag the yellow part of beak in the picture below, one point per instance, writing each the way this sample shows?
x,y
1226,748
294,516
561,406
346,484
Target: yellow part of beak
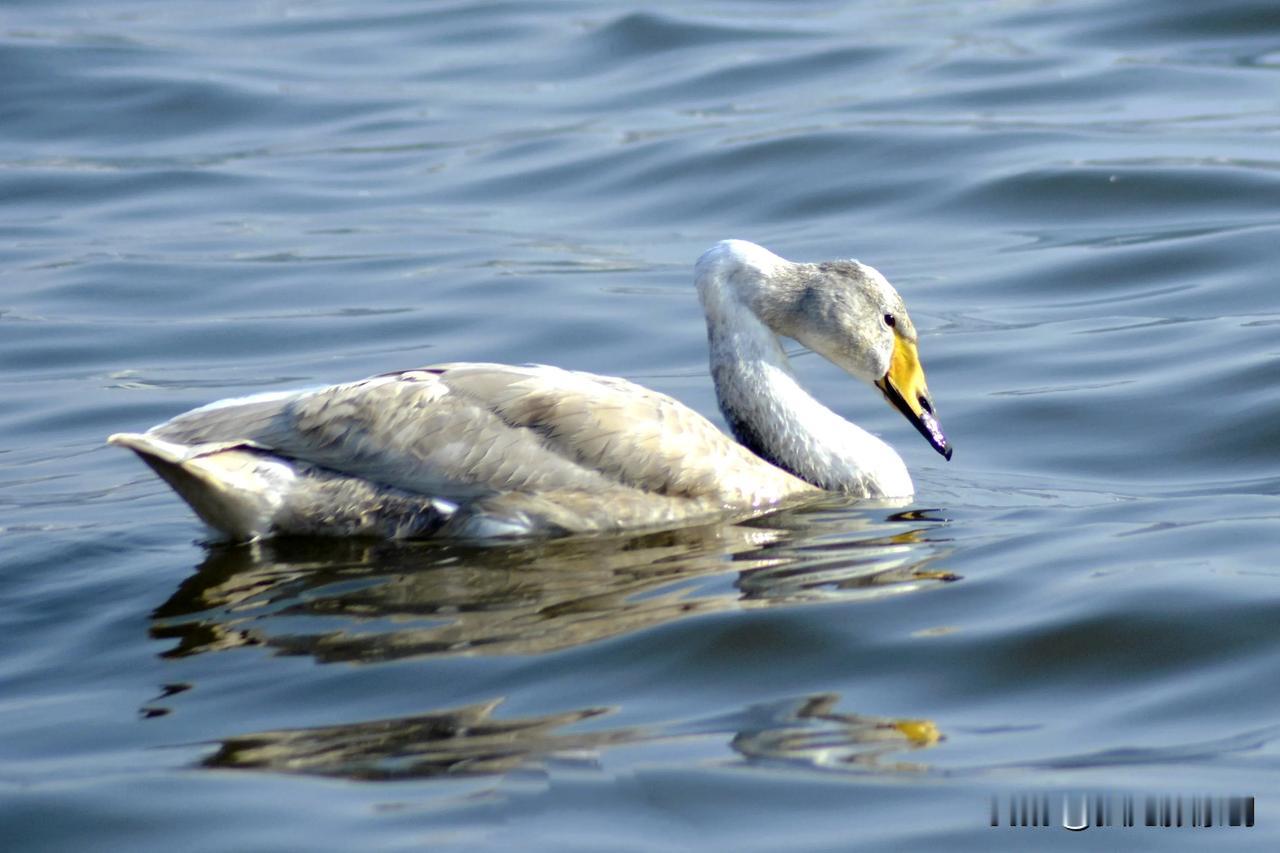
x,y
922,732
906,374
905,388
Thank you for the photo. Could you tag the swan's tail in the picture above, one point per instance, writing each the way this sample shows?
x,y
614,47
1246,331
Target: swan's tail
x,y
235,488
244,492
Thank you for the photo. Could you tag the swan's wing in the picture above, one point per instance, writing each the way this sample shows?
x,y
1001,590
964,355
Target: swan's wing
x,y
467,430
622,431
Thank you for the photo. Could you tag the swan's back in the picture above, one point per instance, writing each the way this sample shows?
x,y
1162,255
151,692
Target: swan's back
x,y
457,449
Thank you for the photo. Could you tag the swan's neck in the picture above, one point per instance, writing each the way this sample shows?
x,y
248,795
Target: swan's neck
x,y
771,413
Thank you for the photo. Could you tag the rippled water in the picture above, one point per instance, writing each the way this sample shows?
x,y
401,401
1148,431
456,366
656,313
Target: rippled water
x,y
1080,203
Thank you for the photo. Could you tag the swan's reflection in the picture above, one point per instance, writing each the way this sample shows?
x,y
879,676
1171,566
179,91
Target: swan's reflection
x,y
473,741
343,600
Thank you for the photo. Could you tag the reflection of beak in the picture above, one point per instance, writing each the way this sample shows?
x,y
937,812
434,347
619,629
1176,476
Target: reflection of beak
x,y
905,388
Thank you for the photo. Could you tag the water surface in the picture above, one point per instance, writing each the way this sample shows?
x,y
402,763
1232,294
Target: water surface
x,y
1078,201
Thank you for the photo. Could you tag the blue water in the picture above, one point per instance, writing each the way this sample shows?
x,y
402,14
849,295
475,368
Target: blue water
x,y
1079,202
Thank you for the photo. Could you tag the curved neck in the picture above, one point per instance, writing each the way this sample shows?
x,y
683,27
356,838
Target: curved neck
x,y
771,414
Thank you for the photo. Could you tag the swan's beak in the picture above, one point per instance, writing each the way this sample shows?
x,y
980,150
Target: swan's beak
x,y
905,388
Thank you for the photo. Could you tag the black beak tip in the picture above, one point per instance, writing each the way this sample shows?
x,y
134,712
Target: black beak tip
x,y
926,422
930,429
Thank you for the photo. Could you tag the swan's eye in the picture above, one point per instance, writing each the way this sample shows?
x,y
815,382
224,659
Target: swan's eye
x,y
890,320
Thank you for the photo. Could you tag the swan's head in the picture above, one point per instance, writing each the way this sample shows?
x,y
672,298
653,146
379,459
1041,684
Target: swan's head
x,y
845,311
857,320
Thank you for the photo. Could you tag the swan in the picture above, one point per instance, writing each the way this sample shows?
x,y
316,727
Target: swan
x,y
480,451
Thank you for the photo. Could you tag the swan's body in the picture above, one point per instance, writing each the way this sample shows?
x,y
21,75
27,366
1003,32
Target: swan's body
x,y
488,450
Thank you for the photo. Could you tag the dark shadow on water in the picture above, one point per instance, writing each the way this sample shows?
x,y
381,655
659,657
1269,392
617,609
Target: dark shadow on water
x,y
806,732
360,601
368,602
